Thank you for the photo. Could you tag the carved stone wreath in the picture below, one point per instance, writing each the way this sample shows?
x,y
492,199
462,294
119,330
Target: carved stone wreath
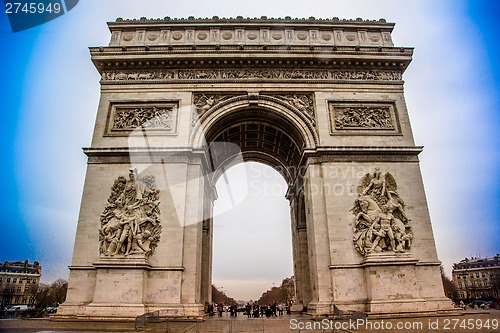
x,y
380,223
130,222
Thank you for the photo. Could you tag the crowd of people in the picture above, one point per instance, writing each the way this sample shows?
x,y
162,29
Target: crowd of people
x,y
251,310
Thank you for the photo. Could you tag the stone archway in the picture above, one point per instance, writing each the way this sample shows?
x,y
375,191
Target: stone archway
x,y
269,135
321,101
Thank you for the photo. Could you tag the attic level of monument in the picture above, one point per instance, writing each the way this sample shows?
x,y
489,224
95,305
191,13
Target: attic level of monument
x,y
262,19
253,32
251,49
249,23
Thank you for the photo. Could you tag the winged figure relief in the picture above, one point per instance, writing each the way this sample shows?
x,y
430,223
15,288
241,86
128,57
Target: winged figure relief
x,y
381,223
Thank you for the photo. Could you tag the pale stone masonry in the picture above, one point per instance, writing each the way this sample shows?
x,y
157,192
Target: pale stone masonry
x,y
321,101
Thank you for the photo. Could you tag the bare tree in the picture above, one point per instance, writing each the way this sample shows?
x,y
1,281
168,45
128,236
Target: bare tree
x,y
285,292
50,295
450,290
219,296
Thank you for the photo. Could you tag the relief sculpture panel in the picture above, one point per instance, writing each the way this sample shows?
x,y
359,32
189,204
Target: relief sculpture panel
x,y
130,222
380,223
360,117
302,102
363,117
159,117
204,102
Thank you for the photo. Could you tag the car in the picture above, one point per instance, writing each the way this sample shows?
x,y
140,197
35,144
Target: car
x,y
495,304
51,309
18,308
476,303
485,305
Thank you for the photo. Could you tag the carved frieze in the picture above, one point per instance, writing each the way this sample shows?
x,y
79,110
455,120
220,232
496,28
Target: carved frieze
x,y
130,222
375,75
362,117
380,222
143,75
250,73
155,117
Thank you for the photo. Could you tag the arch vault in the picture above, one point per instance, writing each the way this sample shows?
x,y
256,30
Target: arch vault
x,y
321,101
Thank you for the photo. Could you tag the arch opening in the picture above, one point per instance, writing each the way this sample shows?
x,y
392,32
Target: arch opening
x,y
268,136
252,241
259,135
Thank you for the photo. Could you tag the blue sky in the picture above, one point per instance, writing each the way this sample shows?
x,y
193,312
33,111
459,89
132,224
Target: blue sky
x,y
50,92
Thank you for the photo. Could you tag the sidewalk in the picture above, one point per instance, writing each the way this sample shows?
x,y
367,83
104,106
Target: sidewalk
x,y
472,321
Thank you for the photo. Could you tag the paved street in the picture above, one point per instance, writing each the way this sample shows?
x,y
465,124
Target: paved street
x,y
472,321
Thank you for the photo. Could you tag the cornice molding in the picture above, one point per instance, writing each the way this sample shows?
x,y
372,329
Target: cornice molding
x,y
178,61
257,20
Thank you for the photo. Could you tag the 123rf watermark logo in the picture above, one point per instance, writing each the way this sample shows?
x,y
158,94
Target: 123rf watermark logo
x,y
25,14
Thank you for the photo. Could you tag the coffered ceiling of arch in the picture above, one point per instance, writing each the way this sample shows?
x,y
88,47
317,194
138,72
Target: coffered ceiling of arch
x,y
259,136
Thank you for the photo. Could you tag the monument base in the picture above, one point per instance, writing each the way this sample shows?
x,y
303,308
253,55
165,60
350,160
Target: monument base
x,y
315,308
393,285
128,312
120,292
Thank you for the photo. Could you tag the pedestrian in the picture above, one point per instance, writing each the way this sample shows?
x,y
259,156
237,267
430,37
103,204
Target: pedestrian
x,y
280,309
273,308
220,308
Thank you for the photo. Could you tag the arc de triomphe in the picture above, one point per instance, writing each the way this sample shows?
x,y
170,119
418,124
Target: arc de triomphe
x,y
321,101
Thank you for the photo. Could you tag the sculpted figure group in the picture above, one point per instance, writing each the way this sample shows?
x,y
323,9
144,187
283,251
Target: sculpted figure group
x,y
364,117
130,222
251,73
381,223
147,117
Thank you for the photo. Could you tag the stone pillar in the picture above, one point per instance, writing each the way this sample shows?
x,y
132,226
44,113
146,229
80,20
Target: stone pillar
x,y
206,279
300,252
317,242
191,299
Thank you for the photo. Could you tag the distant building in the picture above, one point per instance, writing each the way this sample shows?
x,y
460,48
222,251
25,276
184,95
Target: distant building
x,y
19,282
477,278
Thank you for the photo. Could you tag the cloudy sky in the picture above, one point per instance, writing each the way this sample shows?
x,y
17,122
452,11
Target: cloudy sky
x,y
50,92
